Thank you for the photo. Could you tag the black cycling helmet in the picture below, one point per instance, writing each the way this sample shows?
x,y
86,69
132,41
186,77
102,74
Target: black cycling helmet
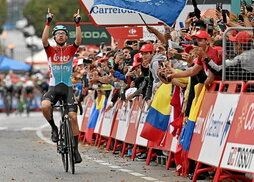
x,y
59,27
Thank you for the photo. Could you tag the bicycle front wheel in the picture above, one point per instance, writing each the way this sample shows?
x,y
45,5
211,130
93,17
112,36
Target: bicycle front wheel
x,y
69,137
63,144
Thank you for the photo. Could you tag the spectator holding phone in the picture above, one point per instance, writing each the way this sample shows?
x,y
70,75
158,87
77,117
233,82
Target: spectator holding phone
x,y
204,51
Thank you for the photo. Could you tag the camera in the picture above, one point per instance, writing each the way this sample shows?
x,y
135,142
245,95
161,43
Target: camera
x,y
209,22
195,42
102,45
87,61
191,14
222,26
128,61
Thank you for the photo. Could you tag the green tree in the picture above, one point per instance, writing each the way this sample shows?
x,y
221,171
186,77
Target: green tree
x,y
3,13
35,11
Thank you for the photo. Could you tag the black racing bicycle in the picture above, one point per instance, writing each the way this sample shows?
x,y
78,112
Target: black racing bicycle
x,y
65,144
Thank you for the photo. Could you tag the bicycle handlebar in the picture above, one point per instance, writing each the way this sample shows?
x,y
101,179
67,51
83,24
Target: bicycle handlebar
x,y
66,104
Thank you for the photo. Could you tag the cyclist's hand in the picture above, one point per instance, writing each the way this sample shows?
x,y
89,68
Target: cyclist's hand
x,y
49,16
77,17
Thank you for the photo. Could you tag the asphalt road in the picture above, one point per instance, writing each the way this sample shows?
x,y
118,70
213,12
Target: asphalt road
x,y
28,155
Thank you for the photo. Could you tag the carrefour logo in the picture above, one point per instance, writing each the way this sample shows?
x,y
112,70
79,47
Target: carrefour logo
x,y
100,10
132,31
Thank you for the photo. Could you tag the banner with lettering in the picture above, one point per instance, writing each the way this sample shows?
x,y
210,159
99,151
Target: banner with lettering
x,y
239,149
203,117
133,121
217,128
108,121
123,124
140,140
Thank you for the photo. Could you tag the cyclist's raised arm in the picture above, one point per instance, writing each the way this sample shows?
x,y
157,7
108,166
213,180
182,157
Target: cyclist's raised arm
x,y
45,34
77,19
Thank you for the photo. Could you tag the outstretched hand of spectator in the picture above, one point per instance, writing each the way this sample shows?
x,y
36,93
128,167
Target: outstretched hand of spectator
x,y
171,53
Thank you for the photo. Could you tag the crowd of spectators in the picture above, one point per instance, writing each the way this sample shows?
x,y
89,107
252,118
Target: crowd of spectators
x,y
183,58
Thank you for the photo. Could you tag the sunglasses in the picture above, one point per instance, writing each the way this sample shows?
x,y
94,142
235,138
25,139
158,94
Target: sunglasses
x,y
60,33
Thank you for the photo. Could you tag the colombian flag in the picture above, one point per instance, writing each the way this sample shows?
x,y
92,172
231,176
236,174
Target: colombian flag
x,y
93,118
158,115
189,128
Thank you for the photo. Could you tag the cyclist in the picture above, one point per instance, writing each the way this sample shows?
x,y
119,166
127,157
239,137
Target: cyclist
x,y
8,93
60,67
28,94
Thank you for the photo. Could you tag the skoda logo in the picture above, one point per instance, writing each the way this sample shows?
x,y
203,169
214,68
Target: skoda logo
x,y
132,31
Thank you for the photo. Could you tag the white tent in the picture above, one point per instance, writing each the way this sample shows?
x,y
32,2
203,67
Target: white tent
x,y
39,60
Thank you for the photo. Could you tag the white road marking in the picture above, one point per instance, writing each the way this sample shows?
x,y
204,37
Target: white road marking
x,y
137,174
149,178
3,128
28,129
40,135
99,161
105,164
126,170
115,167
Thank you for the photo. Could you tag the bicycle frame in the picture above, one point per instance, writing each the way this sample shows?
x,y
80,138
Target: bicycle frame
x,y
65,143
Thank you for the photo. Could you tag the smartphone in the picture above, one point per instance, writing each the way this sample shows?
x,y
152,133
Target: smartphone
x,y
99,65
240,17
184,30
165,78
222,26
177,56
94,86
210,30
102,45
219,6
162,64
181,24
224,15
195,42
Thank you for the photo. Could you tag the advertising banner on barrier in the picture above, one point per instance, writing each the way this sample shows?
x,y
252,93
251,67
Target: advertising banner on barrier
x,y
217,128
107,122
86,115
123,123
140,140
99,121
239,149
133,122
203,117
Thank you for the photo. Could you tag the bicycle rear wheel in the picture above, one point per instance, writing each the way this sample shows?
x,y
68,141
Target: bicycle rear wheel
x,y
69,137
63,146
